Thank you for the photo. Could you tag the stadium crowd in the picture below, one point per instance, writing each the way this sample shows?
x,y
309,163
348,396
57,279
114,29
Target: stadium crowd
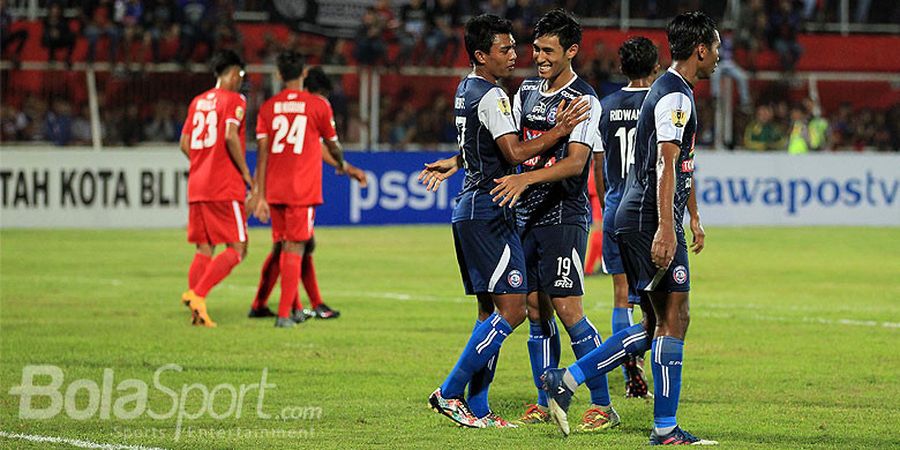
x,y
133,34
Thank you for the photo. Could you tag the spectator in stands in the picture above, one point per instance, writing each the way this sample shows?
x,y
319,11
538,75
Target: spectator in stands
x,y
784,24
12,124
99,20
131,127
413,22
762,133
841,130
729,68
818,125
81,127
162,126
132,30
798,139
403,129
495,7
442,39
750,30
893,122
158,21
196,25
58,123
58,34
370,45
601,68
35,113
8,37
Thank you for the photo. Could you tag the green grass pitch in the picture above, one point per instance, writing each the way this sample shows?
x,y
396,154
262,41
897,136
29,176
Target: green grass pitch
x,y
793,343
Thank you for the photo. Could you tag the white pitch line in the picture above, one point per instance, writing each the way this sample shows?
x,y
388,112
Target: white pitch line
x,y
73,442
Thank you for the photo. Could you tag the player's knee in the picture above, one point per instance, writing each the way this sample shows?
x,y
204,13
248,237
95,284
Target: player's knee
x,y
513,316
534,314
310,246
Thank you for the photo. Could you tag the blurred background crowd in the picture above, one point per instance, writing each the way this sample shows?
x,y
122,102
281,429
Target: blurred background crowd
x,y
148,55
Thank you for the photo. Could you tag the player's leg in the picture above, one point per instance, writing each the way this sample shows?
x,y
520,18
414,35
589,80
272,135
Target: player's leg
x,y
291,261
311,285
267,278
543,350
481,380
491,262
201,261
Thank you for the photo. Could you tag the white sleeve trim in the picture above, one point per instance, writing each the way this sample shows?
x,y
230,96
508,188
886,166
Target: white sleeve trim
x,y
234,121
517,109
261,135
672,114
495,112
598,143
588,132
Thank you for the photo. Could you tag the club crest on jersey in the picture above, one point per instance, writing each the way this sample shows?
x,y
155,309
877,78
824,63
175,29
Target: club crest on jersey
x,y
551,115
679,274
239,113
514,278
503,106
679,118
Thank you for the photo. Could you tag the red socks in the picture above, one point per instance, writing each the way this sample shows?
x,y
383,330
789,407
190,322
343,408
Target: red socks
x,y
290,278
595,251
270,270
217,270
198,268
309,282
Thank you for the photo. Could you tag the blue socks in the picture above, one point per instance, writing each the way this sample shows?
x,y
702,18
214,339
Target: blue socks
x,y
621,319
610,354
586,339
484,344
478,386
667,354
543,351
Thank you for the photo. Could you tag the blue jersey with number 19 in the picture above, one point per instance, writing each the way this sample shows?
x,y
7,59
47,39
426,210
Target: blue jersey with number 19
x,y
618,126
483,114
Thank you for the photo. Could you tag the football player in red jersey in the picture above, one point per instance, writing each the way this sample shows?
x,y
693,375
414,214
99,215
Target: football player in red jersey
x,y
315,81
289,129
213,141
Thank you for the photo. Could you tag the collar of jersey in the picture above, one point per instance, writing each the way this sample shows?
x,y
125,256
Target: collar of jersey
x,y
550,94
628,89
680,77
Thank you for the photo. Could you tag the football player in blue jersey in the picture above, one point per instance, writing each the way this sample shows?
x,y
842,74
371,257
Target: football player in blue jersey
x,y
488,247
613,156
650,233
550,196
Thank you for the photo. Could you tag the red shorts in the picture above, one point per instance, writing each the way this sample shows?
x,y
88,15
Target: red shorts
x,y
596,211
217,222
292,222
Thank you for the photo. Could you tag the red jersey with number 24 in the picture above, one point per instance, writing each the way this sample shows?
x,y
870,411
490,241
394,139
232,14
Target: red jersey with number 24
x,y
294,122
213,175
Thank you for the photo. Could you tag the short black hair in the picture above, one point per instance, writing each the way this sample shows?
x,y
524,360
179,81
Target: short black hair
x,y
317,82
290,65
561,24
688,30
480,32
222,60
639,57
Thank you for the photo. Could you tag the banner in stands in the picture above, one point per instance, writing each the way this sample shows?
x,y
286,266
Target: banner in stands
x,y
334,18
148,188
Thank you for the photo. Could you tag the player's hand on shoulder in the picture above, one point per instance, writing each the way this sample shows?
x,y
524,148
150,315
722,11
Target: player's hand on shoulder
x,y
663,249
571,114
509,189
699,241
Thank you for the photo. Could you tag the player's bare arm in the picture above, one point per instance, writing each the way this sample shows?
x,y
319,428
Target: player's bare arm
x,y
349,169
697,231
568,116
261,207
436,172
233,143
599,181
511,187
337,154
663,249
185,146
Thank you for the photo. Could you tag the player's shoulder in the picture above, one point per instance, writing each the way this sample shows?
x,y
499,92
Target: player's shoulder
x,y
581,87
671,83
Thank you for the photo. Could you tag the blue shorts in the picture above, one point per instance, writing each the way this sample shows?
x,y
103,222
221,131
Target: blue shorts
x,y
611,262
643,275
490,256
555,261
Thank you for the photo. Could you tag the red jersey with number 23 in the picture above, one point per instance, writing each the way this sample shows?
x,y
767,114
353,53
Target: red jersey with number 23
x,y
294,121
213,175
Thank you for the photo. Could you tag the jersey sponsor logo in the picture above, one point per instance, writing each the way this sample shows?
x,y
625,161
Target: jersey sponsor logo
x,y
679,118
564,283
514,278
569,95
687,166
679,274
503,106
529,87
529,134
